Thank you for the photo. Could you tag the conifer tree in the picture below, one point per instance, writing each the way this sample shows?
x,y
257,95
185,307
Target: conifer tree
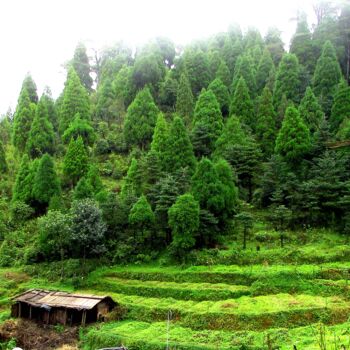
x,y
75,100
266,123
179,151
344,130
242,105
301,43
214,63
3,163
274,44
51,108
184,223
106,107
168,92
207,123
132,186
22,120
287,80
244,69
93,179
76,160
341,106
81,65
311,111
160,138
184,100
223,73
46,183
79,127
293,140
83,189
222,95
141,119
326,77
230,51
264,70
41,137
20,189
30,86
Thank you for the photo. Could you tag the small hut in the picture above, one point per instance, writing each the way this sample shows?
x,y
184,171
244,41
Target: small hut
x,y
53,307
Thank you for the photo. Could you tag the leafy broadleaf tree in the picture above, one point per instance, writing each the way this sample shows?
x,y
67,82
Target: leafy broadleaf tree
x,y
141,119
184,100
222,95
341,106
75,100
46,183
207,123
326,77
79,127
293,140
82,66
184,223
41,137
76,161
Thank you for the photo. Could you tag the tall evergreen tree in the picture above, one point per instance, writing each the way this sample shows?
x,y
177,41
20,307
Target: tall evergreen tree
x,y
141,119
274,44
108,106
301,44
51,108
326,77
76,161
230,52
41,137
293,140
3,163
179,151
223,73
132,186
244,69
242,105
264,70
207,123
184,100
79,127
75,100
22,187
83,189
287,80
341,106
160,135
311,111
30,86
46,183
266,123
222,95
81,65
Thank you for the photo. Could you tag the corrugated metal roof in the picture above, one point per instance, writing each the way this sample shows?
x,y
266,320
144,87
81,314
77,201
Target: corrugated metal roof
x,y
41,298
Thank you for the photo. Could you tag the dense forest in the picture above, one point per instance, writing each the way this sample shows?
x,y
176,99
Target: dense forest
x,y
165,150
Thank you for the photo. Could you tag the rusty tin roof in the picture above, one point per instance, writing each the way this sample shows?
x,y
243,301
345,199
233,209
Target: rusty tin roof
x,y
44,298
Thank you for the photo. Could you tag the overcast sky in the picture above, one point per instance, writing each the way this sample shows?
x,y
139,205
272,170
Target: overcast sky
x,y
38,36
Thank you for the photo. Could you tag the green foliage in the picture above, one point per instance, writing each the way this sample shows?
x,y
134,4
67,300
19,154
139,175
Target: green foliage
x,y
184,223
46,183
30,87
168,92
47,99
41,138
222,95
207,123
293,140
311,111
76,160
132,185
274,44
141,119
79,127
326,77
3,163
244,70
223,73
341,106
288,81
184,99
22,188
242,105
264,70
81,65
83,189
75,100
160,136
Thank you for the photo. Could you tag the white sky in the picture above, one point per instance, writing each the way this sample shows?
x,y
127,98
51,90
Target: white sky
x,y
38,36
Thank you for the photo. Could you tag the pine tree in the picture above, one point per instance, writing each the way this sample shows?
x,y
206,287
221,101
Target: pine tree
x,y
310,111
107,103
168,92
241,104
214,63
293,140
76,160
141,119
230,51
3,163
341,106
22,120
207,123
222,95
266,123
184,223
41,137
184,100
93,178
51,108
30,86
326,77
21,191
81,65
264,70
46,183
179,151
75,100
223,73
344,130
79,127
83,189
132,186
244,69
274,44
287,80
160,136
